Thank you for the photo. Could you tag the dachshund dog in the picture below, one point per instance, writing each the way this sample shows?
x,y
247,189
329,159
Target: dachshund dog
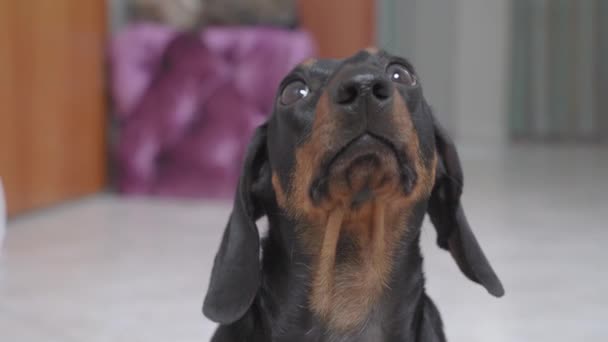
x,y
345,170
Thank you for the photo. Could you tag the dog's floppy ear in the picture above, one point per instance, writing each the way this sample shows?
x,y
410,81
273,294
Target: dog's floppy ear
x,y
447,215
235,278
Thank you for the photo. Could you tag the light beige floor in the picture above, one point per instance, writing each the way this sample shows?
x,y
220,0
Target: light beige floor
x,y
114,269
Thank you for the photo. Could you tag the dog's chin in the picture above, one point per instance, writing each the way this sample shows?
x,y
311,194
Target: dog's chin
x,y
364,170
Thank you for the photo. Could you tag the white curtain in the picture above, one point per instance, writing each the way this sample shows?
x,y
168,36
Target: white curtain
x,y
559,75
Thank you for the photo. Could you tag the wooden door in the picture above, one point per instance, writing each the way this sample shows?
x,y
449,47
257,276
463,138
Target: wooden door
x,y
340,27
52,112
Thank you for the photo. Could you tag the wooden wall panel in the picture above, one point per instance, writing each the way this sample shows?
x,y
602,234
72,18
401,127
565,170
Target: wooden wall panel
x,y
340,27
52,112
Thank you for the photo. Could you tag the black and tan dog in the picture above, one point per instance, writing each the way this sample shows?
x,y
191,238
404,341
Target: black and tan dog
x,y
345,170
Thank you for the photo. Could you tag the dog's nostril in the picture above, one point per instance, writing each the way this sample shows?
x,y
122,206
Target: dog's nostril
x,y
347,94
381,90
363,86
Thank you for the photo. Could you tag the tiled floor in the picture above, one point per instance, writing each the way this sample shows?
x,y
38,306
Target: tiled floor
x,y
112,269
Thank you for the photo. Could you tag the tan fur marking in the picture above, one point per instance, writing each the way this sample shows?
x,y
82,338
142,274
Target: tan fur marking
x,y
403,122
308,160
345,293
309,62
378,256
324,277
278,191
372,50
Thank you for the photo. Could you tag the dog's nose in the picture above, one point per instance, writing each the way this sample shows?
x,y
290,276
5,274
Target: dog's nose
x,y
357,86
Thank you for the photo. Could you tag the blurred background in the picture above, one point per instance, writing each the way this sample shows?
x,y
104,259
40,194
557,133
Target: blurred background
x,y
123,125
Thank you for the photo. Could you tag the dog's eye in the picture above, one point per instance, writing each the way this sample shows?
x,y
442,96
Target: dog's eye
x,y
399,74
293,92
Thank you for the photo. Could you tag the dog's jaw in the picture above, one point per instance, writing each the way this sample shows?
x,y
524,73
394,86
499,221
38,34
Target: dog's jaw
x,y
366,168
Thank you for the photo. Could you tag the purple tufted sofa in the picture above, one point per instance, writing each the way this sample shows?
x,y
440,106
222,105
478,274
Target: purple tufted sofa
x,y
186,104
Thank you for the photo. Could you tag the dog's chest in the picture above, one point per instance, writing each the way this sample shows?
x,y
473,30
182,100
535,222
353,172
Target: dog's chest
x,y
371,332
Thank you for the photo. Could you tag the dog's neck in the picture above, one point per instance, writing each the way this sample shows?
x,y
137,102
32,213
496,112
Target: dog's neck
x,y
365,294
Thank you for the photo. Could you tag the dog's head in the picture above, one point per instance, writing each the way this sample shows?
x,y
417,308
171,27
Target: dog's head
x,y
352,150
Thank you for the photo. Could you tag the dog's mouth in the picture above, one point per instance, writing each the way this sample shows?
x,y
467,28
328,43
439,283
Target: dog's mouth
x,y
364,168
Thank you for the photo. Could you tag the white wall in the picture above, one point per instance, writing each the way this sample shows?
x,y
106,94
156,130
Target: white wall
x,y
481,71
434,56
459,48
424,32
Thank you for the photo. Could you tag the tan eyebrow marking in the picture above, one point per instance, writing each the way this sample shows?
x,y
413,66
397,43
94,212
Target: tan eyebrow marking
x,y
372,50
309,62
